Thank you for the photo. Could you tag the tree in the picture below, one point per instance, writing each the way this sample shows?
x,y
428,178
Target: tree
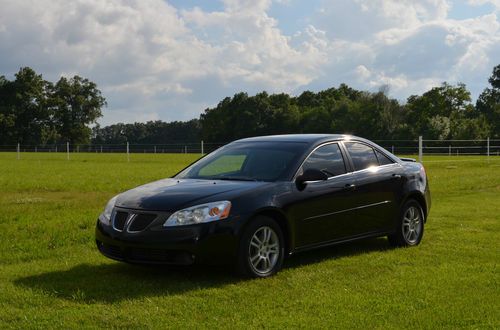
x,y
488,103
157,132
76,103
24,115
7,113
430,113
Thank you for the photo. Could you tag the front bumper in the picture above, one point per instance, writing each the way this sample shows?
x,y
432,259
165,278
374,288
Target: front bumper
x,y
213,243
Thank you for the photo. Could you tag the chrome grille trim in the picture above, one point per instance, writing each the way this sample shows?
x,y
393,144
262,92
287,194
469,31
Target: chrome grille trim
x,y
113,220
129,220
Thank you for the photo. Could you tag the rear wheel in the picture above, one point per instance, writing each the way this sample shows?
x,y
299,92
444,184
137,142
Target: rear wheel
x,y
261,251
410,226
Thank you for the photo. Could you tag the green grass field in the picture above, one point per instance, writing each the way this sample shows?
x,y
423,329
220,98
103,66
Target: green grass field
x,y
52,276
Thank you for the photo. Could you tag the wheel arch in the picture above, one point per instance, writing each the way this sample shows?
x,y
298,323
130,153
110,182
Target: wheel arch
x,y
282,221
419,197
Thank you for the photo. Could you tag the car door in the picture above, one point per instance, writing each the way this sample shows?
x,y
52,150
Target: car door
x,y
323,209
378,180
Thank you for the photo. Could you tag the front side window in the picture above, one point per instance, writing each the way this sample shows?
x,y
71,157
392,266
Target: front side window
x,y
362,155
327,159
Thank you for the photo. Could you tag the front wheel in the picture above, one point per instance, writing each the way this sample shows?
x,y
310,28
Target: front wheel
x,y
261,250
410,226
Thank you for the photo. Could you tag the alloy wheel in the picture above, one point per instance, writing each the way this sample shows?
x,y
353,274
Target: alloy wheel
x,y
412,224
264,250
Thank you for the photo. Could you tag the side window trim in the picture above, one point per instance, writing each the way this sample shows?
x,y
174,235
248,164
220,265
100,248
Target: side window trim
x,y
348,161
343,153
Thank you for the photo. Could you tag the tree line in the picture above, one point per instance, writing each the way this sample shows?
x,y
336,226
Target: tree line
x,y
35,111
443,112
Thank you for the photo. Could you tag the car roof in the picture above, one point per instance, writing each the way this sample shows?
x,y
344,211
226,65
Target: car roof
x,y
304,138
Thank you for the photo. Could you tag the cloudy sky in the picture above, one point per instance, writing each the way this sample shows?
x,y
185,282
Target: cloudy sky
x,y
169,60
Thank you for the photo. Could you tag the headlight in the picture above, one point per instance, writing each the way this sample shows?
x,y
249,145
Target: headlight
x,y
106,215
199,214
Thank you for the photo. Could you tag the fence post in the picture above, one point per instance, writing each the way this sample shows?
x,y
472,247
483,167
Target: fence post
x,y
155,149
202,148
67,150
420,151
449,150
18,151
185,149
128,153
392,150
36,150
488,148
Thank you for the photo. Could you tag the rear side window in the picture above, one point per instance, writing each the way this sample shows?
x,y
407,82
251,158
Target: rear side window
x,y
328,159
362,155
383,159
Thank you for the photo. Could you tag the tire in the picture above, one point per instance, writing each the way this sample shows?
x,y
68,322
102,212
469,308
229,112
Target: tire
x,y
410,225
262,249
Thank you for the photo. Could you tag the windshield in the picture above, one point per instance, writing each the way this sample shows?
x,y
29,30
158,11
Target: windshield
x,y
247,161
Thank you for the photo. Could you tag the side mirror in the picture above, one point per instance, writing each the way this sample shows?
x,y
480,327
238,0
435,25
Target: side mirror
x,y
311,174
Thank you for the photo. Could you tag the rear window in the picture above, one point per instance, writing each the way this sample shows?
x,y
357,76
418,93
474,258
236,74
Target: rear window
x,y
362,155
383,159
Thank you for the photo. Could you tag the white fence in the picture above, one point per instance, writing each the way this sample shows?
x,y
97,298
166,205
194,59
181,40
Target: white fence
x,y
185,147
418,147
422,147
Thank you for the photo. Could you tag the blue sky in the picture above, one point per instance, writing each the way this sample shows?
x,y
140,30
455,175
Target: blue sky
x,y
169,60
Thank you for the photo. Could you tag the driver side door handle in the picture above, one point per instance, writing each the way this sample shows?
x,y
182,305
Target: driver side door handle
x,y
350,186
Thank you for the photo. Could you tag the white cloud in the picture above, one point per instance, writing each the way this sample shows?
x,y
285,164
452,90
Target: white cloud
x,y
153,61
408,45
495,3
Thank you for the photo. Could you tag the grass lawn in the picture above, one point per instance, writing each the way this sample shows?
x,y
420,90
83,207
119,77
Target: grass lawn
x,y
52,276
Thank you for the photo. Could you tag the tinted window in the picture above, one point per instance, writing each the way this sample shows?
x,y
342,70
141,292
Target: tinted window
x,y
328,159
261,161
223,165
362,155
383,159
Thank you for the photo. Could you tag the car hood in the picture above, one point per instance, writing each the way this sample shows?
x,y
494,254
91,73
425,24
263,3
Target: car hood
x,y
174,194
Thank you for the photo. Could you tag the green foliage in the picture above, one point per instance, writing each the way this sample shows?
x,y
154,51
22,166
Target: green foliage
x,y
76,103
35,111
149,132
444,112
51,274
488,103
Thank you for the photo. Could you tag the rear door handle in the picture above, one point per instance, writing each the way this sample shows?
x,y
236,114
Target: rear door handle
x,y
396,176
350,186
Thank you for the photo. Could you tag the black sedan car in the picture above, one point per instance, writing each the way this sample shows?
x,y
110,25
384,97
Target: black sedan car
x,y
257,200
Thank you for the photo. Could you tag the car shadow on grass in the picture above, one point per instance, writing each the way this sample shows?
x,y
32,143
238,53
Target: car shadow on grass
x,y
343,250
113,282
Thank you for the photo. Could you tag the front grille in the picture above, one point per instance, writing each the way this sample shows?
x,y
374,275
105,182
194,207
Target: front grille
x,y
150,255
120,220
160,256
145,255
141,221
110,250
132,222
